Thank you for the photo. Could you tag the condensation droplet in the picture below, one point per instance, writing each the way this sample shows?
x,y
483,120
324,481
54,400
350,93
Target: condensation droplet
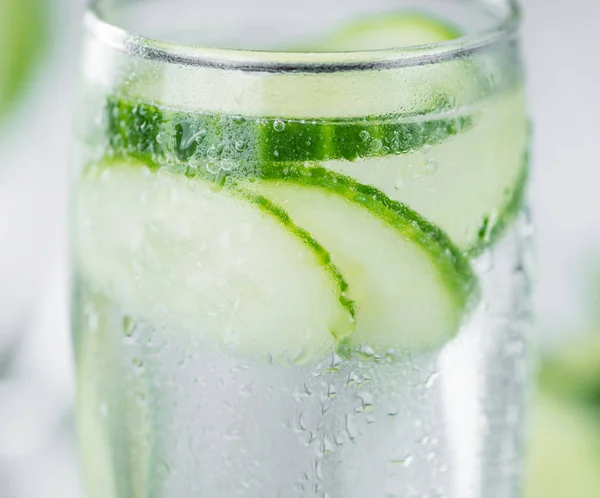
x,y
431,380
376,144
128,326
404,461
227,165
103,410
431,166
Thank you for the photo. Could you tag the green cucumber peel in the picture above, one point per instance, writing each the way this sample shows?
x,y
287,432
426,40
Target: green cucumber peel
x,y
493,229
454,268
140,129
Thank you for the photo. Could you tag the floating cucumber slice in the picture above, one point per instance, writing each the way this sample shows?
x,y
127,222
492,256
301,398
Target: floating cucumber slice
x,y
180,112
136,128
466,174
386,30
22,24
410,284
471,185
231,267
563,457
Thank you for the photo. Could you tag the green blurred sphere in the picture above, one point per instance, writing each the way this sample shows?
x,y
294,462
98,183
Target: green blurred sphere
x,y
22,33
564,452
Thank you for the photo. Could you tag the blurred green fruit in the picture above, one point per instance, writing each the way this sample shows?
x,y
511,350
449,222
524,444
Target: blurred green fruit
x,y
564,451
573,371
22,31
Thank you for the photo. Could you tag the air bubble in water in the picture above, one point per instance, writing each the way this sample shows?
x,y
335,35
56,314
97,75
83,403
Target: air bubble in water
x,y
364,135
278,125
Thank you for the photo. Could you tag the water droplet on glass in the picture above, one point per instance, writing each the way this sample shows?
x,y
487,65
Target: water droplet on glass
x,y
399,183
128,326
365,351
405,461
376,144
138,361
213,166
227,165
103,410
431,166
431,380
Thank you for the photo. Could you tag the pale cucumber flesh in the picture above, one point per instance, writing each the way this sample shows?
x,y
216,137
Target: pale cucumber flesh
x,y
233,269
410,286
469,184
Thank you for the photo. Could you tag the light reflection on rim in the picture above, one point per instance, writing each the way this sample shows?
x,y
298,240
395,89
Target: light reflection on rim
x,y
322,62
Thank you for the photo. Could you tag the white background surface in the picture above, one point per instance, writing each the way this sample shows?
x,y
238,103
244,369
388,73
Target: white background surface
x,y
561,40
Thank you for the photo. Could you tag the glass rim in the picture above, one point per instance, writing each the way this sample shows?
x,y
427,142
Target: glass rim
x,y
272,61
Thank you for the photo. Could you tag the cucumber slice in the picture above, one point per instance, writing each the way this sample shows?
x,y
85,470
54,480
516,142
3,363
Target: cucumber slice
x,y
410,284
466,174
22,24
471,185
296,116
230,267
386,30
136,128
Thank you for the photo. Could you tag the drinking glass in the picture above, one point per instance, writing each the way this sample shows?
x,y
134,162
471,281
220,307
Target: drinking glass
x,y
300,249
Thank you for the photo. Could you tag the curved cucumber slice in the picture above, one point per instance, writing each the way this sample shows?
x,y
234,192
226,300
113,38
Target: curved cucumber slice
x,y
136,128
230,267
298,116
411,286
471,185
386,30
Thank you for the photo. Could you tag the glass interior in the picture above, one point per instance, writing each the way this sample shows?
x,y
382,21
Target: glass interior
x,y
274,24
